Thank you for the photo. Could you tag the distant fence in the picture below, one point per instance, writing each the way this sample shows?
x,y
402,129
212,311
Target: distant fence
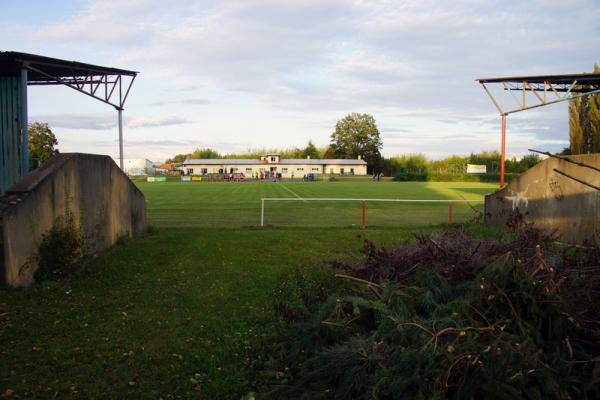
x,y
364,217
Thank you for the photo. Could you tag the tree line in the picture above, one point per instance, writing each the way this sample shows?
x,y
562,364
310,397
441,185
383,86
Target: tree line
x,y
207,153
355,135
417,167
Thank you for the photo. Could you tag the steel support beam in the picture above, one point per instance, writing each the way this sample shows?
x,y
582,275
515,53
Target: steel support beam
x,y
121,162
503,152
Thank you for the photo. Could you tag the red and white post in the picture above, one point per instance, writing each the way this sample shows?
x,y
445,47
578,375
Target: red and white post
x,y
364,213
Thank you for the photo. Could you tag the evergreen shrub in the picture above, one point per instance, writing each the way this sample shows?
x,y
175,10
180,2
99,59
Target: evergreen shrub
x,y
61,250
449,316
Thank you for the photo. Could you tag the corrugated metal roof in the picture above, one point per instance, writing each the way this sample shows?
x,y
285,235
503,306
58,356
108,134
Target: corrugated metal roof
x,y
285,161
336,161
222,161
11,63
583,78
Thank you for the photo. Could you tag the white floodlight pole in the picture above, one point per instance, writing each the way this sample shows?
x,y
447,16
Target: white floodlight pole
x,y
120,110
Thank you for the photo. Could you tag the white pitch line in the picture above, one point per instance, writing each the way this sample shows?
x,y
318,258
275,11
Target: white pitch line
x,y
290,190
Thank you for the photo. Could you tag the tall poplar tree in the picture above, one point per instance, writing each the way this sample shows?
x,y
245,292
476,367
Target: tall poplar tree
x,y
584,123
576,136
594,118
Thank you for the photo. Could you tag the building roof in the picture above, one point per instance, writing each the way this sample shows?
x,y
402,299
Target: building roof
x,y
317,161
167,166
284,161
584,78
11,63
223,161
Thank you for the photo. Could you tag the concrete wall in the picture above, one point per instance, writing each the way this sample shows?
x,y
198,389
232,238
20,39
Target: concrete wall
x,y
103,201
552,201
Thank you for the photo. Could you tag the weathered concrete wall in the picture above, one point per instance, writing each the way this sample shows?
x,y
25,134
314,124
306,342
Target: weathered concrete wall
x,y
552,201
101,198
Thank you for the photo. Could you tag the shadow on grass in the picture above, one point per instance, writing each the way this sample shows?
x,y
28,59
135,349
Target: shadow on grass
x,y
477,191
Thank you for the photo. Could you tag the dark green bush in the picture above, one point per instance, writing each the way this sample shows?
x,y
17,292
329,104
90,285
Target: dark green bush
x,y
449,317
451,177
61,250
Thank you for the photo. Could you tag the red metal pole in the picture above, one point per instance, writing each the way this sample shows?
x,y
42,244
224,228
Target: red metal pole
x,y
364,214
503,152
450,212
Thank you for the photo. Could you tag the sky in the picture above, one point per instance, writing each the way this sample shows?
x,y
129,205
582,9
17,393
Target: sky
x,y
240,75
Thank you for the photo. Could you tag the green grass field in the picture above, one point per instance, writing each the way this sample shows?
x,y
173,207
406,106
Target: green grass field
x,y
175,313
224,204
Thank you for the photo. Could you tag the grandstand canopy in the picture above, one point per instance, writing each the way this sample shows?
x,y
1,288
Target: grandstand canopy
x,y
536,91
540,90
107,84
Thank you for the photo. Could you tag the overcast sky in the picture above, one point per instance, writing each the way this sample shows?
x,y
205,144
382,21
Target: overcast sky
x,y
237,75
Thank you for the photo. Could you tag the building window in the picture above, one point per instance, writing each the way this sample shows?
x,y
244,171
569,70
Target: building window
x,y
352,171
284,170
273,159
299,169
261,169
315,169
234,169
248,169
203,171
331,170
190,171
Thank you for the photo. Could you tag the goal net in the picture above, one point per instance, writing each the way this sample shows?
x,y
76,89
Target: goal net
x,y
332,212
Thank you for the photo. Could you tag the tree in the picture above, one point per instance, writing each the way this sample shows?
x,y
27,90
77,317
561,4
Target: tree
x,y
327,152
198,153
205,153
178,159
576,135
357,135
41,144
310,151
594,118
584,123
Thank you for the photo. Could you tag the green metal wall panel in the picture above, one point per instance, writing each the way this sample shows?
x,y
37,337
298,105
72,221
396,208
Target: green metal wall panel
x,y
10,132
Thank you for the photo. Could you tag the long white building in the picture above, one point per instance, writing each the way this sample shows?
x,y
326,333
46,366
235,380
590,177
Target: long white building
x,y
290,167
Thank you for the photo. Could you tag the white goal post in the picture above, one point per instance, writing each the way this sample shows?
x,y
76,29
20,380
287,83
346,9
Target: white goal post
x,y
363,202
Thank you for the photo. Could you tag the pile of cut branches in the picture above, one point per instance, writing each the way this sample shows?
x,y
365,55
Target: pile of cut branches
x,y
451,316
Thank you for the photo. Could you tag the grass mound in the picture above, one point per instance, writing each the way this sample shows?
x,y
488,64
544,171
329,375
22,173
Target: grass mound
x,y
449,317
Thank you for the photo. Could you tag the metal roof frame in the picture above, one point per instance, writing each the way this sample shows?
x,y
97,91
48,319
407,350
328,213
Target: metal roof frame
x,y
85,78
546,90
106,84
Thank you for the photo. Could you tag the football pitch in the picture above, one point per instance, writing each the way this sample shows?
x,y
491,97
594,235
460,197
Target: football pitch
x,y
184,310
238,204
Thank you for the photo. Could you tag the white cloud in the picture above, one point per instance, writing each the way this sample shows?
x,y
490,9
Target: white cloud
x,y
149,122
412,64
106,121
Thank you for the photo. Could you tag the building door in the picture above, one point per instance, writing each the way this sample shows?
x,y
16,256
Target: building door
x,y
341,171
